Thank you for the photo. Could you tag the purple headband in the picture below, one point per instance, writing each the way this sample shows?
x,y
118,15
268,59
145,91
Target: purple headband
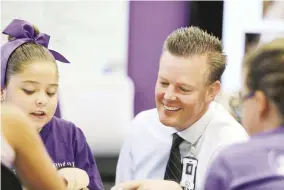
x,y
23,32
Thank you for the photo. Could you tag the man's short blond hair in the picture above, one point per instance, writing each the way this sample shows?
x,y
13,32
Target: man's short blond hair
x,y
191,41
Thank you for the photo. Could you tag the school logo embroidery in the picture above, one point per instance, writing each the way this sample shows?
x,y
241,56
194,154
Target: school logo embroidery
x,y
276,162
59,165
280,165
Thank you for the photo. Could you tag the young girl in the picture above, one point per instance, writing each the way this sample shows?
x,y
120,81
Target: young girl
x,y
29,79
259,163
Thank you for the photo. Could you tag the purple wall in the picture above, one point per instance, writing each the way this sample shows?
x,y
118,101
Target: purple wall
x,y
150,23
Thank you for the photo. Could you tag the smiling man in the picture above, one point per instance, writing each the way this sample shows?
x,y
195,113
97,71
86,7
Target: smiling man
x,y
178,139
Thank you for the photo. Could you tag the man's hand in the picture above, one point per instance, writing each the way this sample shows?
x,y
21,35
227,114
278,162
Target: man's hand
x,y
74,178
148,185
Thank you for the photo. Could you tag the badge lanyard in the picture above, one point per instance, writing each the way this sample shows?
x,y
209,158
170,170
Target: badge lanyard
x,y
189,168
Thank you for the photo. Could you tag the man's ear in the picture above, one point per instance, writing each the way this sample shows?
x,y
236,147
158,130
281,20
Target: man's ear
x,y
213,90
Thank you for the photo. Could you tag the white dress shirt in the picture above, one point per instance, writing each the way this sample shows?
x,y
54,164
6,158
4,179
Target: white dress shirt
x,y
146,150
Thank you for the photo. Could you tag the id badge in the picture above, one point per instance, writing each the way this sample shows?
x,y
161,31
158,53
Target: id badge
x,y
189,168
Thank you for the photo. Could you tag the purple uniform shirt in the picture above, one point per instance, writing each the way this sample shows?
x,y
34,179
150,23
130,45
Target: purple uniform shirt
x,y
67,146
255,165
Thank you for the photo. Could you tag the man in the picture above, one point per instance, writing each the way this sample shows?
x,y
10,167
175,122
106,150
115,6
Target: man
x,y
178,140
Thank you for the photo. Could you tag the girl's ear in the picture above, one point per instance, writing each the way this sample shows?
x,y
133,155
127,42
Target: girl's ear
x,y
3,94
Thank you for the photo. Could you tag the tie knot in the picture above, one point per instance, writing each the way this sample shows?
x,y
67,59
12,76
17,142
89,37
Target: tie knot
x,y
177,140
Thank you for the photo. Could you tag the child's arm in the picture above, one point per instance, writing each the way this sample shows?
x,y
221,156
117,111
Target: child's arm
x,y
33,165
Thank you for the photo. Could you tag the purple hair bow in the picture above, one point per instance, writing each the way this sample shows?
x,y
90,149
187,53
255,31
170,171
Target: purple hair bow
x,y
23,32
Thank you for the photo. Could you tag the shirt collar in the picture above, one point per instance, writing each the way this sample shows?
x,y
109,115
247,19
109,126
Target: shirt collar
x,y
269,132
45,131
195,131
